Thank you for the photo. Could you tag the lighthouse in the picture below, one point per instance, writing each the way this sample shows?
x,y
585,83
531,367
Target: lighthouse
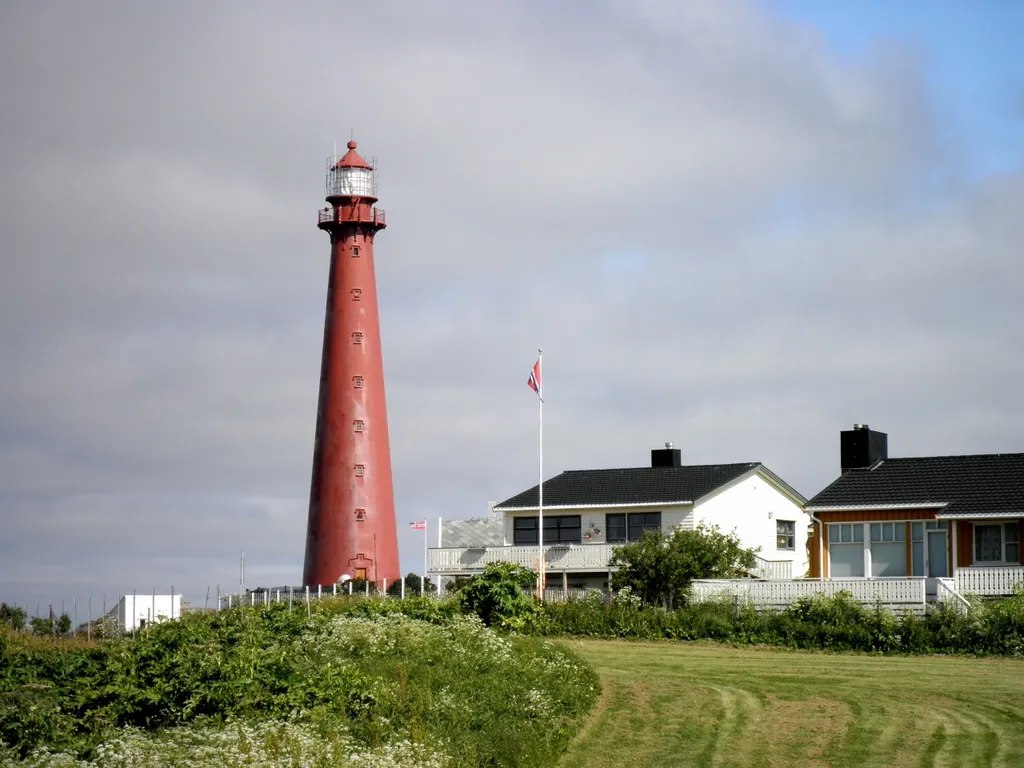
x,y
351,529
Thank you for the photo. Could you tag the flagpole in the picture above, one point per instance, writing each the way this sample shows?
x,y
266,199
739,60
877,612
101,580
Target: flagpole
x,y
540,484
423,579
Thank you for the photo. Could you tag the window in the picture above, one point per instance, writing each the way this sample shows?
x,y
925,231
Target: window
x,y
785,534
356,293
999,543
357,425
355,252
888,549
846,550
357,338
524,530
360,515
360,470
558,529
357,382
624,527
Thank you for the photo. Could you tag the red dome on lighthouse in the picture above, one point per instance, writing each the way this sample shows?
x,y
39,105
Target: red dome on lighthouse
x,y
352,159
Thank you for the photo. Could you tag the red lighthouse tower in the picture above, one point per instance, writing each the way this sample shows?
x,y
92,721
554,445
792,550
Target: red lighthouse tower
x,y
351,529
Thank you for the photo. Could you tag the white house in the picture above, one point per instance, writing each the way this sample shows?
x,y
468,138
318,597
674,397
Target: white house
x,y
136,611
587,513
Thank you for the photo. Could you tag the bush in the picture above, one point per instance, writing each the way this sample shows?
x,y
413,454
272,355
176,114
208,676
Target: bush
x,y
356,678
822,623
661,566
497,596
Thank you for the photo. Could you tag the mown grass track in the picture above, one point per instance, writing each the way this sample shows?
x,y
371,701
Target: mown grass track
x,y
713,706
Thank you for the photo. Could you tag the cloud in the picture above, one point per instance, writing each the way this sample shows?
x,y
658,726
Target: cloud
x,y
721,233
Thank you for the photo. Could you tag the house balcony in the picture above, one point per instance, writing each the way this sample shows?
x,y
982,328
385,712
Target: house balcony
x,y
989,580
580,558
456,561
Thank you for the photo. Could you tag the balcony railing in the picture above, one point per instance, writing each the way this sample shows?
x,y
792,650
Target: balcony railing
x,y
352,214
571,557
989,580
771,569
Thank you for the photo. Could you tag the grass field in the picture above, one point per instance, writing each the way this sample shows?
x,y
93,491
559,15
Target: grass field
x,y
686,704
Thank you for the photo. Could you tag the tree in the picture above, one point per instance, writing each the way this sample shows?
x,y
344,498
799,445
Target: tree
x,y
661,566
412,586
497,595
12,616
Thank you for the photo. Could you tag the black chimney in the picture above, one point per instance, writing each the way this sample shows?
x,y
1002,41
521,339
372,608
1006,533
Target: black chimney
x,y
666,457
861,447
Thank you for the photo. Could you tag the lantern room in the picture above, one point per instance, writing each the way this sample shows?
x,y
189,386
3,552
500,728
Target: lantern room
x,y
350,175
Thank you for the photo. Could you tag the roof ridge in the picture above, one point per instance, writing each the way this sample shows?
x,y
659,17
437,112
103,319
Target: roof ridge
x,y
684,466
1016,454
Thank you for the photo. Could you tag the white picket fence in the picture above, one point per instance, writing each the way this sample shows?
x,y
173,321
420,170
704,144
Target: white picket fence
x,y
989,580
894,593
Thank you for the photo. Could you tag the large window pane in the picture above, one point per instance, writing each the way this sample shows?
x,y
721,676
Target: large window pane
x,y
988,543
562,529
524,531
846,560
616,528
888,559
640,522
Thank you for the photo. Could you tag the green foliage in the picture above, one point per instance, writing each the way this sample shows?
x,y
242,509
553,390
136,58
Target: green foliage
x,y
362,673
822,623
413,586
661,566
12,616
497,596
58,626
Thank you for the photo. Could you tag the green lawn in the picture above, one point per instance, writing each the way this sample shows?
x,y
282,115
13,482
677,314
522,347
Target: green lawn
x,y
686,704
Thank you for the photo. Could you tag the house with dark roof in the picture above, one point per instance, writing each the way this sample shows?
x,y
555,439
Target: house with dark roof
x,y
953,522
587,513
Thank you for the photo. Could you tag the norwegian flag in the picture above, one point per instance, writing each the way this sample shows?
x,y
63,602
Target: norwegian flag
x,y
534,382
419,526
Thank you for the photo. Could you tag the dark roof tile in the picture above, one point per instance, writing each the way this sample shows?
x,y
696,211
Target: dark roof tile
x,y
639,485
991,482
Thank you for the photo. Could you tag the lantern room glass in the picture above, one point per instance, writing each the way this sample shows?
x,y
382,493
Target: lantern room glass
x,y
350,182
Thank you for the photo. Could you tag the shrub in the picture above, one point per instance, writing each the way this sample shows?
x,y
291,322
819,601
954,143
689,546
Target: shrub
x,y
267,682
661,566
497,596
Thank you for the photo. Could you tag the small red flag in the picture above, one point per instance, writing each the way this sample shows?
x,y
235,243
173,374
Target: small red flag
x,y
534,382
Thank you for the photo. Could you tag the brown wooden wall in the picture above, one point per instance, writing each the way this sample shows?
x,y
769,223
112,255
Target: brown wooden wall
x,y
964,544
813,566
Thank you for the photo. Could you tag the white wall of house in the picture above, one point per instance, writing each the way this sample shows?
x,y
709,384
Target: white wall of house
x,y
133,610
752,506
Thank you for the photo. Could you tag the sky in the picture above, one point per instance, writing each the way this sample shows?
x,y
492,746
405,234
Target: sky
x,y
738,225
